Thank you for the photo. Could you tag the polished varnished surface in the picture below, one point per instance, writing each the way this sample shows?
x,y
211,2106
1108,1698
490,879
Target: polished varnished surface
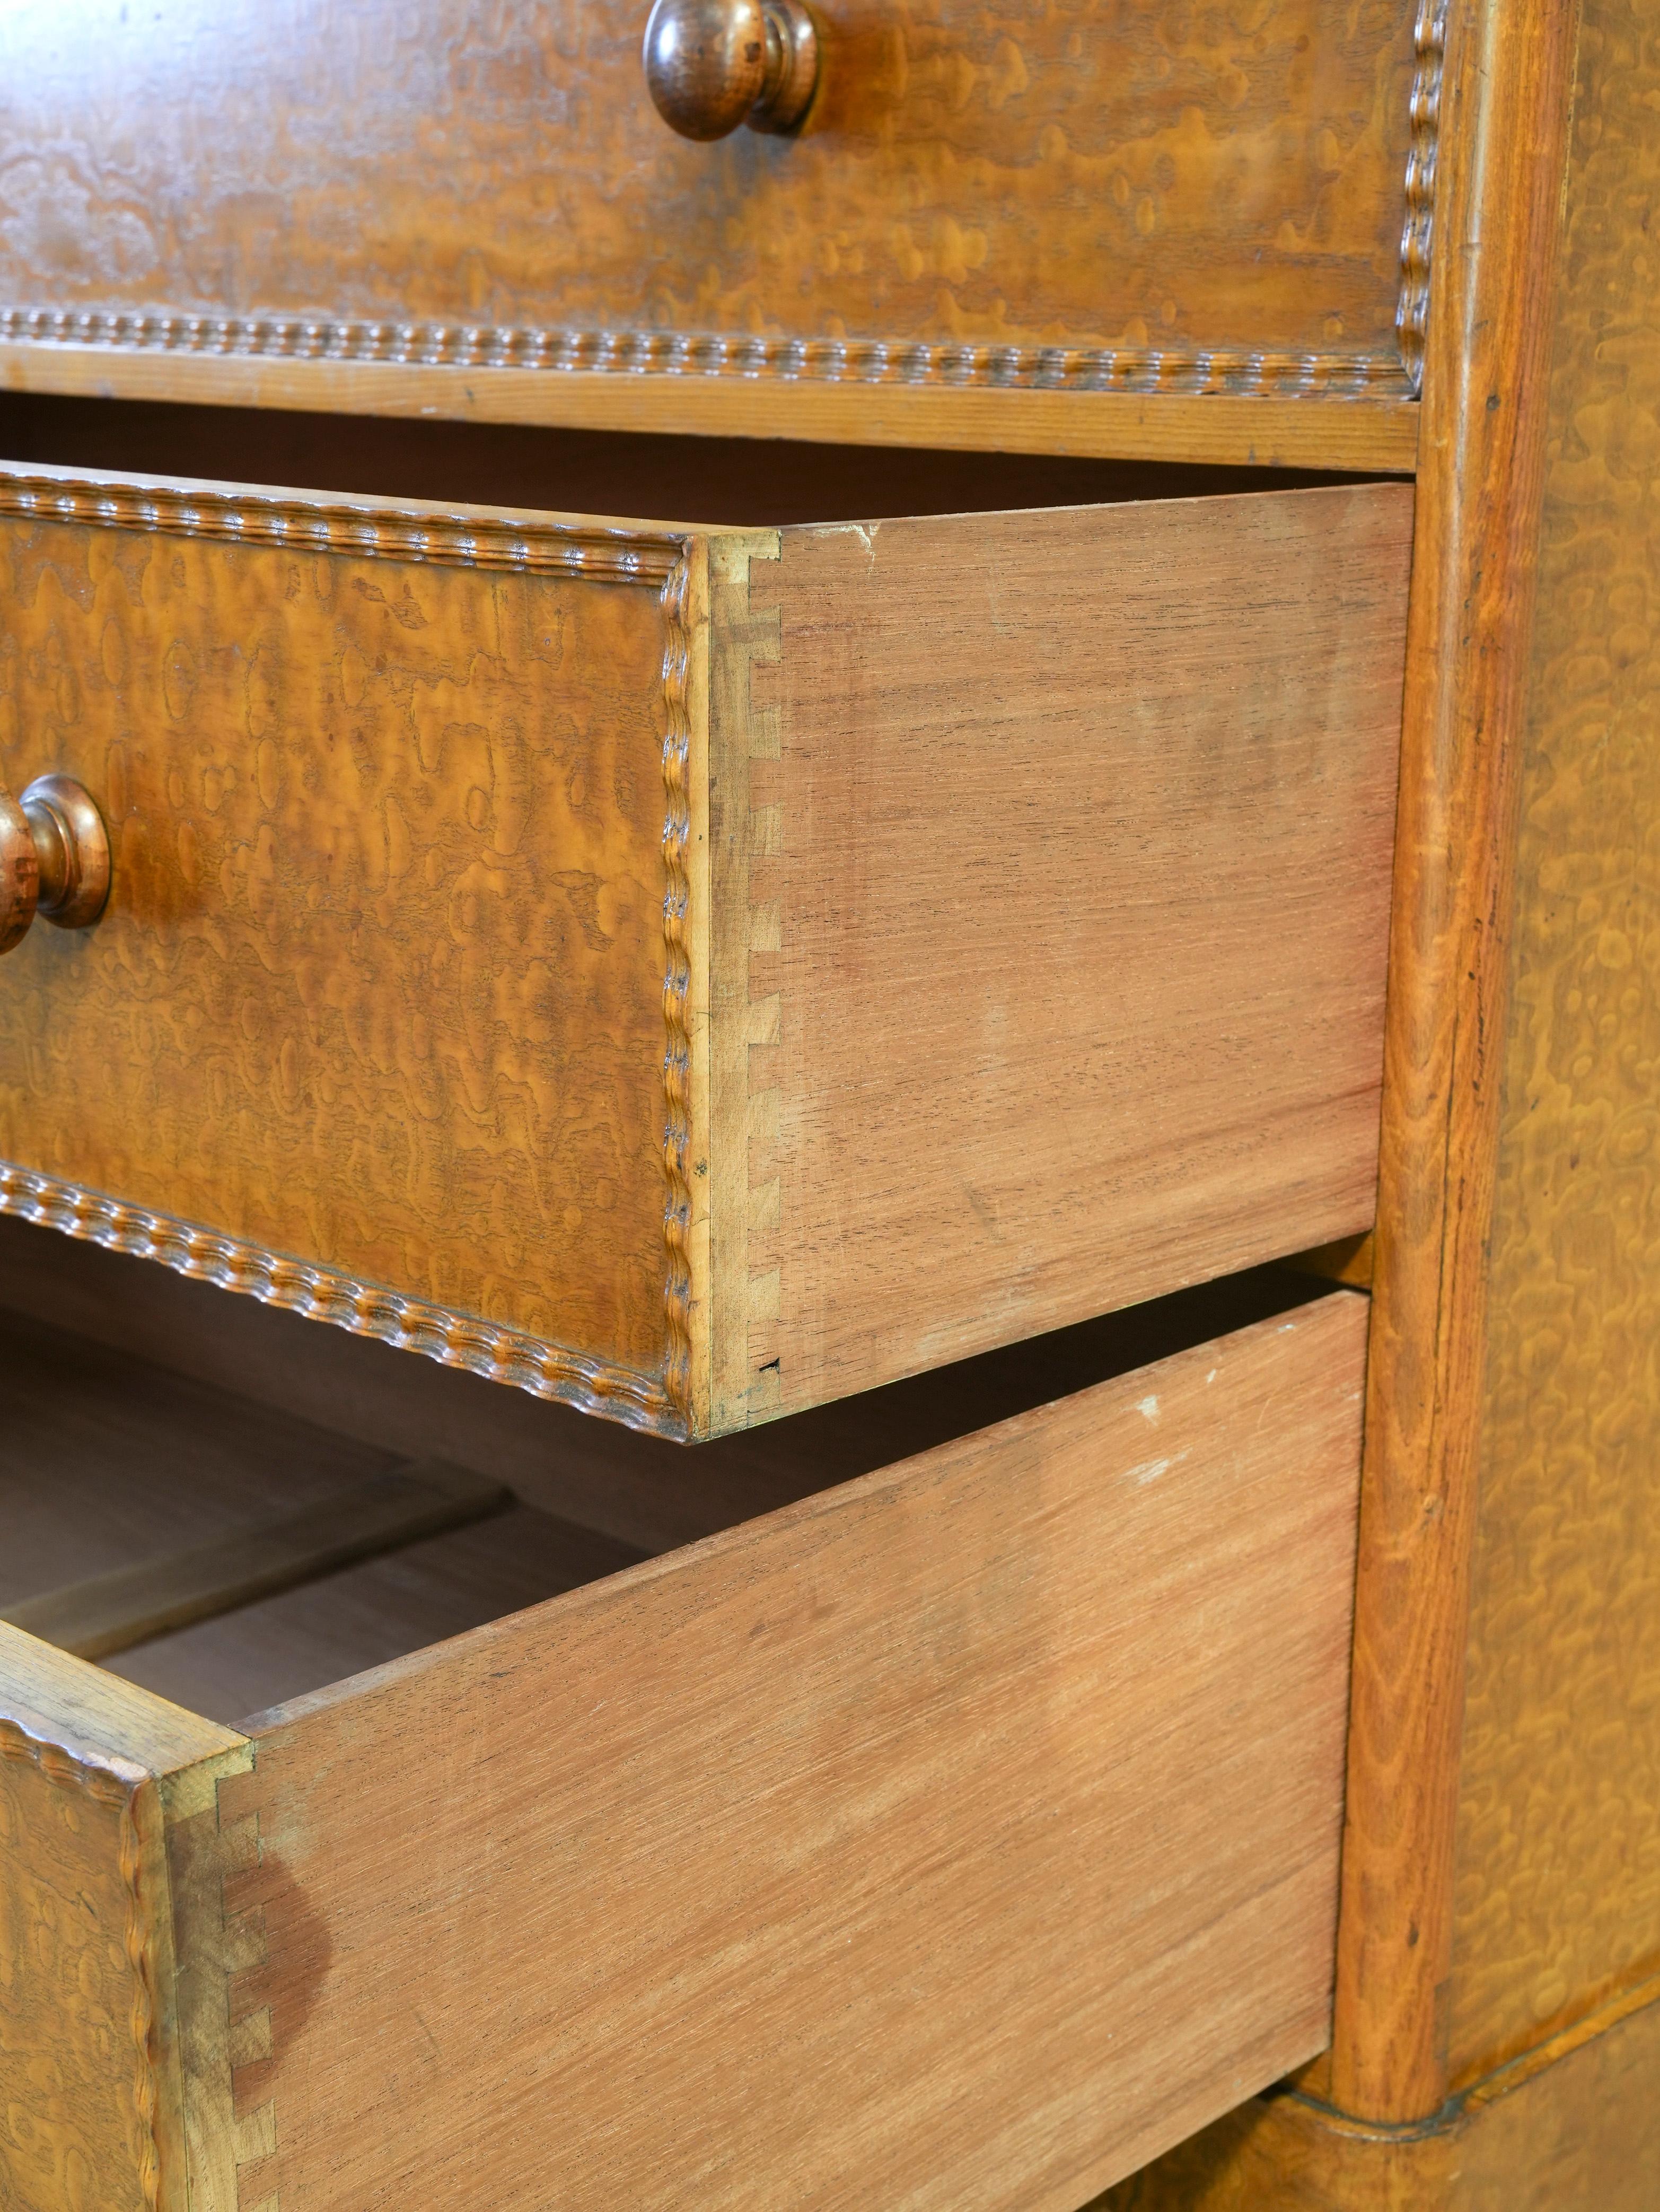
x,y
1510,77
380,985
437,178
72,2005
1558,1904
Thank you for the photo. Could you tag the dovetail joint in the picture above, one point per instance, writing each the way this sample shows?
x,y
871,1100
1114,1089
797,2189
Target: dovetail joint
x,y
677,983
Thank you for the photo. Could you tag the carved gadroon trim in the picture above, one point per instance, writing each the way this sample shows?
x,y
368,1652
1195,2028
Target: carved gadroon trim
x,y
372,532
677,983
65,1771
1140,371
320,1293
1417,240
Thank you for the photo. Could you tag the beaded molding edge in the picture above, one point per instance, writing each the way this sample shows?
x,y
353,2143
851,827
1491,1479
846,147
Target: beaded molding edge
x,y
371,531
1137,371
500,1353
65,1771
677,984
1418,238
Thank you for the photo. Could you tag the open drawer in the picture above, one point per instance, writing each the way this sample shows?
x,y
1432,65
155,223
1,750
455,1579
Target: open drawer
x,y
959,1836
698,973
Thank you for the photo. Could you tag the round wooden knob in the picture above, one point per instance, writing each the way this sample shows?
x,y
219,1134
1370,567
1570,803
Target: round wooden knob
x,y
54,858
712,64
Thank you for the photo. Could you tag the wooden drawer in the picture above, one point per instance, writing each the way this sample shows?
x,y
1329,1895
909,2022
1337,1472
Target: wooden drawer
x,y
1013,887
480,204
961,1836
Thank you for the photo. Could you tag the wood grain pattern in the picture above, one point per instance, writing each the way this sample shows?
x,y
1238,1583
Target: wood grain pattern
x,y
104,1614
1481,468
373,1023
1374,433
961,1836
1576,2128
1050,905
78,1996
1098,196
1558,1901
90,2103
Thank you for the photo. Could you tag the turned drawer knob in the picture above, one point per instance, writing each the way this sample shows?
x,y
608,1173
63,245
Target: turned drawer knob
x,y
54,858
712,64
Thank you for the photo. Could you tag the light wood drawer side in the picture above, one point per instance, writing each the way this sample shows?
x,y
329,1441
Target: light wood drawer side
x,y
959,1838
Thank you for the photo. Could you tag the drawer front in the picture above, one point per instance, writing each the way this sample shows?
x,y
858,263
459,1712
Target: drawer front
x,y
1111,197
958,1839
380,985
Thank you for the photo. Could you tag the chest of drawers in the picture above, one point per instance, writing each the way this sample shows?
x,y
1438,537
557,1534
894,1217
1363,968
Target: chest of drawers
x,y
764,970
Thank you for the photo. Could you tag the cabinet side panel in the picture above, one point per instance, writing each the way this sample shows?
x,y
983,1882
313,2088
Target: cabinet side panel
x,y
955,1839
1076,851
1557,1898
1579,2133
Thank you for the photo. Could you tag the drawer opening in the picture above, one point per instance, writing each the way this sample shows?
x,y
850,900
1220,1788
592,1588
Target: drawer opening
x,y
739,482
234,1508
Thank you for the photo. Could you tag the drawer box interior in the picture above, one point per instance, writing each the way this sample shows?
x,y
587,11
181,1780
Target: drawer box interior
x,y
701,970
715,1876
175,1421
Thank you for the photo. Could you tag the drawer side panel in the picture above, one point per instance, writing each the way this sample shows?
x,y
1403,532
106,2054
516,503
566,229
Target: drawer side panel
x,y
380,989
955,1840
1053,974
